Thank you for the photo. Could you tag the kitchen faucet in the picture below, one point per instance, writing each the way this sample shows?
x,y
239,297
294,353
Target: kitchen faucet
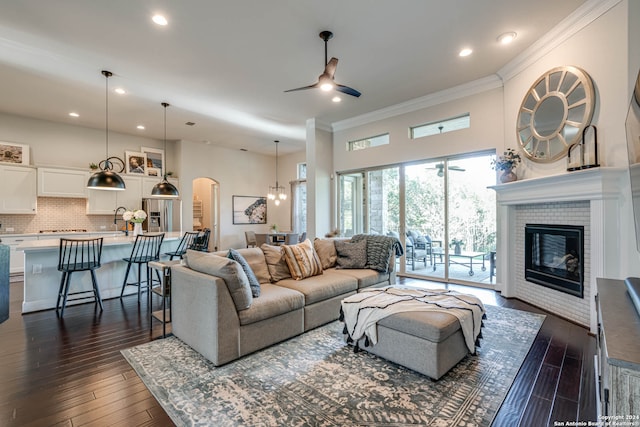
x,y
115,220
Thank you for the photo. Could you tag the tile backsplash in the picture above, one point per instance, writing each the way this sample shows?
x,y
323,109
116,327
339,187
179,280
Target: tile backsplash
x,y
56,213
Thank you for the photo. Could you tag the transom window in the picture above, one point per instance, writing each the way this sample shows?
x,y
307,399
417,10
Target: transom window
x,y
373,141
441,126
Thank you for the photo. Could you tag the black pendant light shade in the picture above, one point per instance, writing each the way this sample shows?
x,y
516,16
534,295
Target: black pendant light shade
x,y
164,189
105,178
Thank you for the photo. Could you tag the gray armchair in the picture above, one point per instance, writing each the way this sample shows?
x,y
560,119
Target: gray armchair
x,y
417,248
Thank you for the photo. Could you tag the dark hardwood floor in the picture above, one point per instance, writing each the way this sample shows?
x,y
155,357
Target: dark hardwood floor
x,y
70,372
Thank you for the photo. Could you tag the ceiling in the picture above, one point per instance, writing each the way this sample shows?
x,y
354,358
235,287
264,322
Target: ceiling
x,y
226,64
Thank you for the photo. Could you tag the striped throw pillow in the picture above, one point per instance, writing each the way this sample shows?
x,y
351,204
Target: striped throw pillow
x,y
302,260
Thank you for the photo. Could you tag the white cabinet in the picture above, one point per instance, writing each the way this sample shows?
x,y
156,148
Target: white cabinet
x,y
62,183
16,257
18,192
105,202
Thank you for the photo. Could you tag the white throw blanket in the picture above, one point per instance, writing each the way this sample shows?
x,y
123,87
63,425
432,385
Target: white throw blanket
x,y
363,310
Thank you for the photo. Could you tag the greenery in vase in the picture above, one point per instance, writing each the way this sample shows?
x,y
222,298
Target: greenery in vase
x,y
507,162
457,242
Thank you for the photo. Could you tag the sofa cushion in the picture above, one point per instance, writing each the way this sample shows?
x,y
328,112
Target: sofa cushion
x,y
320,288
276,263
274,301
255,258
228,270
326,250
351,254
365,277
253,281
302,260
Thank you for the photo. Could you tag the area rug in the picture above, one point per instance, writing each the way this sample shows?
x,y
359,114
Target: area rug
x,y
317,380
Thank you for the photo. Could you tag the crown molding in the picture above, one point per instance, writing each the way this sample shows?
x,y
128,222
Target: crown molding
x,y
568,27
467,89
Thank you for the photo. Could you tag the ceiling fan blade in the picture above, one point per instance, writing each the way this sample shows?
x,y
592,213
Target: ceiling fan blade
x,y
456,168
330,68
347,90
313,86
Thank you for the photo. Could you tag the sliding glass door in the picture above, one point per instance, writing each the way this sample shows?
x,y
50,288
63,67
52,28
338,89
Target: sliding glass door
x,y
441,210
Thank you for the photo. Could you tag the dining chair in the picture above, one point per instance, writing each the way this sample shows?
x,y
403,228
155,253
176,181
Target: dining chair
x,y
78,255
146,248
201,242
250,237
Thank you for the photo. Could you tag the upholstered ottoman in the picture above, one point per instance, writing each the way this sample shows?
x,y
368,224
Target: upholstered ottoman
x,y
420,329
427,342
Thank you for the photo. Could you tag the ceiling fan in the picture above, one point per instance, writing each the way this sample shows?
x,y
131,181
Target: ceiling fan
x,y
325,80
440,168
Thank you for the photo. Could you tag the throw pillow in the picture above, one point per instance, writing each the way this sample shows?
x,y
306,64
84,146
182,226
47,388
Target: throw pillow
x,y
351,254
302,260
253,280
274,255
228,270
326,250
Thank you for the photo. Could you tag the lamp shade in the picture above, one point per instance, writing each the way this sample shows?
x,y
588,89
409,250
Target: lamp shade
x,y
165,190
106,180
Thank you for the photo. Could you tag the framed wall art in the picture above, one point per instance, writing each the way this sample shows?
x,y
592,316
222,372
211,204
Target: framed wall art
x,y
249,210
135,163
155,159
11,152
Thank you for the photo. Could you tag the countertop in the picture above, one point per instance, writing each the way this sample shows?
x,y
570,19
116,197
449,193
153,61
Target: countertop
x,y
52,240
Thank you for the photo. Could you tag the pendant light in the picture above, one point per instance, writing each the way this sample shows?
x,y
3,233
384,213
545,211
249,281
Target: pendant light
x,y
164,189
106,178
277,193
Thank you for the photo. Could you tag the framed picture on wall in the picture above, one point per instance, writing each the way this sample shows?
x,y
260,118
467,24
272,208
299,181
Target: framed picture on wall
x,y
249,210
11,152
154,171
135,163
155,159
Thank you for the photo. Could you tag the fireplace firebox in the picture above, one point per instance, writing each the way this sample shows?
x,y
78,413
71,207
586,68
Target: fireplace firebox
x,y
554,257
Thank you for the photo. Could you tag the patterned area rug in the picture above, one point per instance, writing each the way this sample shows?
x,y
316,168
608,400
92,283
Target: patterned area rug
x,y
317,380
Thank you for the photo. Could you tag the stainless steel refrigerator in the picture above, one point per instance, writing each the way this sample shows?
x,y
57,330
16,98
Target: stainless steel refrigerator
x,y
162,215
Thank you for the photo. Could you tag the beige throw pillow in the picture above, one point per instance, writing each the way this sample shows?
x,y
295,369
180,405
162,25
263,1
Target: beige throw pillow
x,y
302,260
228,270
326,250
274,255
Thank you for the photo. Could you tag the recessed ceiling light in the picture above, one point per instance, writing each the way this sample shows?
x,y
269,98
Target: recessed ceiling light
x,y
336,99
507,38
74,114
120,91
465,52
141,127
160,20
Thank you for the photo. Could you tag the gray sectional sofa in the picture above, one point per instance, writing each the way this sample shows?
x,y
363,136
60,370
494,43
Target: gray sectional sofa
x,y
210,313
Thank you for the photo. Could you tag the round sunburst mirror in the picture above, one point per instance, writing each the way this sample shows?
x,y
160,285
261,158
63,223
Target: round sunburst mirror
x,y
554,112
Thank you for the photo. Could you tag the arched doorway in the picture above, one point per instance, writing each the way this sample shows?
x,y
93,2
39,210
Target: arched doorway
x,y
206,209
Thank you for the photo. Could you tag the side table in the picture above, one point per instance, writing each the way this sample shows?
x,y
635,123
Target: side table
x,y
163,289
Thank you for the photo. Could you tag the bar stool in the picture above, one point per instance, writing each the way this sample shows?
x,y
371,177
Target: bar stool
x,y
78,255
185,243
146,248
201,243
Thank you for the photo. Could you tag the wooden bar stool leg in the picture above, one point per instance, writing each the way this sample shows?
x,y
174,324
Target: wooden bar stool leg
x,y
60,291
126,276
66,293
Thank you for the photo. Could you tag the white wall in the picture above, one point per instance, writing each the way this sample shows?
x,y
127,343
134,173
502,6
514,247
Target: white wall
x,y
66,145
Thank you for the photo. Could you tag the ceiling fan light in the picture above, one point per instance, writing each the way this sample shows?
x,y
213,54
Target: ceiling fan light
x,y
326,86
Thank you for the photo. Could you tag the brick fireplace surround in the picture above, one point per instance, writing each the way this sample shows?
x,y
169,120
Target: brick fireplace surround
x,y
590,198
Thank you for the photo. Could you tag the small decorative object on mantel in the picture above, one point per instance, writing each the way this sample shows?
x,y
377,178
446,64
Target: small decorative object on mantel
x,y
137,217
506,163
583,154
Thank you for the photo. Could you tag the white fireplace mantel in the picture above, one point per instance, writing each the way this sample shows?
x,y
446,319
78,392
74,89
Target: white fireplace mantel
x,y
588,184
602,187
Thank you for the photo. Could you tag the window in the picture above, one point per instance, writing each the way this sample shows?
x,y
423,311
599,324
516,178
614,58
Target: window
x,y
442,126
302,171
373,141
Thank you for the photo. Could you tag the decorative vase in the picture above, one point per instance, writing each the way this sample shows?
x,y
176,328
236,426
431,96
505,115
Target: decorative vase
x,y
457,250
137,228
508,176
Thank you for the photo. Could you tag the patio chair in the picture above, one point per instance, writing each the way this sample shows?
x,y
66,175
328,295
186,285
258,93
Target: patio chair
x,y
417,248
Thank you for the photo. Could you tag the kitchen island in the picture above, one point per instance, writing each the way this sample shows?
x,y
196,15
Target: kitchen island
x,y
42,278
